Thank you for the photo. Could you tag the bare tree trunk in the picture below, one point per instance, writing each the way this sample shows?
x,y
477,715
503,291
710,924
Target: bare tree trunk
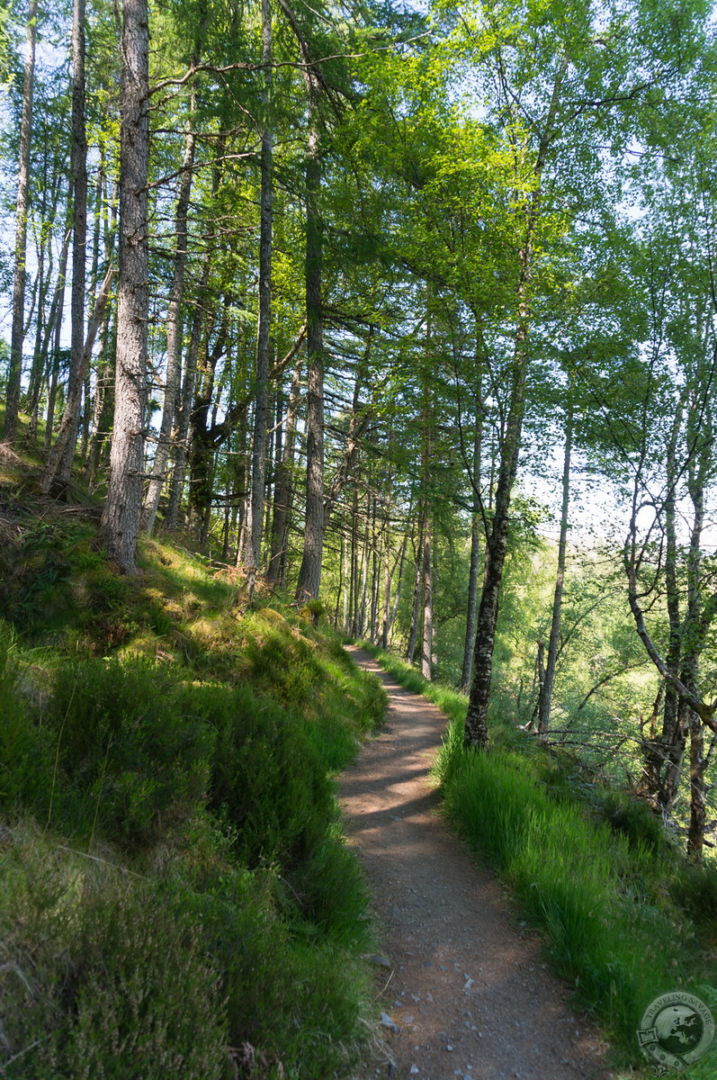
x,y
174,332
103,403
476,727
390,610
664,762
416,602
309,582
121,517
427,589
261,411
698,471
56,476
43,247
57,472
472,605
17,334
46,359
546,687
284,487
181,435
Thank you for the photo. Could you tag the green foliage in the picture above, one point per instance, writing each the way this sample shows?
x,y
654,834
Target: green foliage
x,y
239,912
132,746
25,753
266,778
101,980
694,888
599,889
631,818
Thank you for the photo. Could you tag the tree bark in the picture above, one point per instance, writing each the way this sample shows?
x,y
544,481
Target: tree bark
x,y
261,409
427,589
174,332
56,476
284,487
121,517
476,524
546,689
59,467
417,582
476,726
309,582
17,333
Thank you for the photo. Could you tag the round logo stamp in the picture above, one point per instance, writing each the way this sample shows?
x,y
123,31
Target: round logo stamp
x,y
675,1031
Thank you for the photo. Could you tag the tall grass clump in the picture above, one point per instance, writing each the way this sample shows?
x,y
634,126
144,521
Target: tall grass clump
x,y
599,894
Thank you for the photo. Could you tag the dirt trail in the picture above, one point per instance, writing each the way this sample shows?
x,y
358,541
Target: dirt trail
x,y
467,987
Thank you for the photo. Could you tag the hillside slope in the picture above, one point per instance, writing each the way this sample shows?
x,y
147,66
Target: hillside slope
x,y
175,894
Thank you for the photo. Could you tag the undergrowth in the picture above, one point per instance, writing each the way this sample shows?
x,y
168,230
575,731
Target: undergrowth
x,y
176,897
625,917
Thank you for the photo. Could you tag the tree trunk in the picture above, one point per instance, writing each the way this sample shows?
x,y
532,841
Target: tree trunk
x,y
546,687
664,761
59,467
284,487
181,436
17,333
174,331
472,612
46,359
56,476
427,589
476,727
417,582
104,402
121,517
309,582
390,611
261,410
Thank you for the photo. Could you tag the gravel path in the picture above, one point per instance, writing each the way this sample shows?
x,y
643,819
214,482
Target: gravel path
x,y
465,986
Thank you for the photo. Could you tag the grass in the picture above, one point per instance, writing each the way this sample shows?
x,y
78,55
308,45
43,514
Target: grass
x,y
625,918
176,897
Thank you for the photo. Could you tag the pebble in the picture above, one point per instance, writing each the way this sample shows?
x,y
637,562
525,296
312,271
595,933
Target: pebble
x,y
388,1022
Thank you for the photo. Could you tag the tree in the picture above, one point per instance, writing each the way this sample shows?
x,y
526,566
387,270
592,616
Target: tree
x,y
121,515
12,403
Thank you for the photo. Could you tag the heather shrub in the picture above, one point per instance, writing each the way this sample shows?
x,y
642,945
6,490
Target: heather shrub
x,y
267,779
100,980
132,749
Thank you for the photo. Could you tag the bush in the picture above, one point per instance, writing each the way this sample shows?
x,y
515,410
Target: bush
x,y
292,997
631,818
100,981
266,778
25,752
694,888
132,746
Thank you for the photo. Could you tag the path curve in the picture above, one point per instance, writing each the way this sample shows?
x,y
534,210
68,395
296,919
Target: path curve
x,y
467,988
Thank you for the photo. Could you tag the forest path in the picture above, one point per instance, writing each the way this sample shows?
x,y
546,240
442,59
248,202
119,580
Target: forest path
x,y
467,987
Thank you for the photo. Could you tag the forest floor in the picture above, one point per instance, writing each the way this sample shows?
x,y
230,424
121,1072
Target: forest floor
x,y
466,991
